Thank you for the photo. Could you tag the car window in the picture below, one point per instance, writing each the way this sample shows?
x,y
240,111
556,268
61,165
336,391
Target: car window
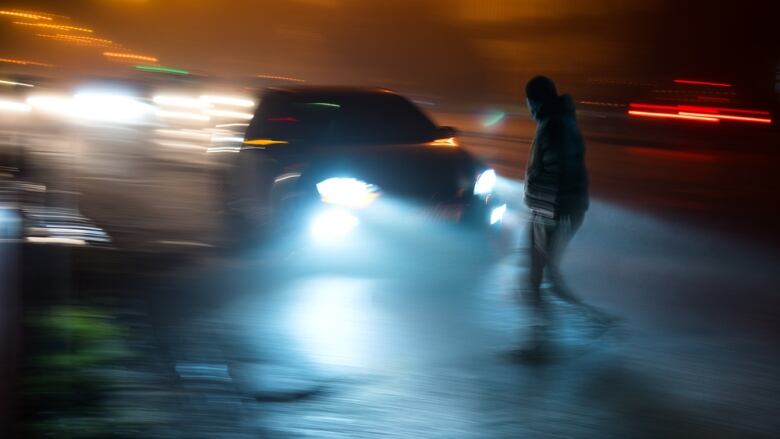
x,y
379,118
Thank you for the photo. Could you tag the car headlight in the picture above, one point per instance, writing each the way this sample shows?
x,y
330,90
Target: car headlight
x,y
347,192
486,182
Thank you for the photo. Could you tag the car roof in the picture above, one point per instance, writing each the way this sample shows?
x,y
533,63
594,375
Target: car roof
x,y
329,90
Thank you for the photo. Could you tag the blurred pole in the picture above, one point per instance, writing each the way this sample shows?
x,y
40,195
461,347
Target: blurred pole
x,y
12,170
10,319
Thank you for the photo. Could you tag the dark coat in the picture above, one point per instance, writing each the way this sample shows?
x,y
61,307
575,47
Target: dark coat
x,y
556,181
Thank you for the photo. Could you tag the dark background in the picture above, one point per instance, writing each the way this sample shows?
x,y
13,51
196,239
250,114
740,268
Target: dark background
x,y
459,49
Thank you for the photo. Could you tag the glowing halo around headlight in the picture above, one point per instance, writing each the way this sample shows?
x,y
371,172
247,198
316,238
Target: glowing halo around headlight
x,y
347,192
109,107
332,225
486,182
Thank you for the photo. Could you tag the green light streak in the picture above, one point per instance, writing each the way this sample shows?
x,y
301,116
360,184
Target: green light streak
x,y
494,119
161,70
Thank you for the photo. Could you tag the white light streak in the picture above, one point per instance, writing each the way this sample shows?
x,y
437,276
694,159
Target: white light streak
x,y
179,101
182,115
229,114
13,106
22,84
235,101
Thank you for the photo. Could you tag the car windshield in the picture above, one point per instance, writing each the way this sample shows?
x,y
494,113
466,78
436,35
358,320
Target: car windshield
x,y
368,118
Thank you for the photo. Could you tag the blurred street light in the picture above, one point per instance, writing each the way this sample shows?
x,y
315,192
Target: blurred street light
x,y
55,26
129,56
28,15
24,62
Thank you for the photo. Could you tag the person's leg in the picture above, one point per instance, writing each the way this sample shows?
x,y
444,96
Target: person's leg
x,y
560,235
538,316
565,229
537,252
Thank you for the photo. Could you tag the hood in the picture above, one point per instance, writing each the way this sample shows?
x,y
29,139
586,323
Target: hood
x,y
561,106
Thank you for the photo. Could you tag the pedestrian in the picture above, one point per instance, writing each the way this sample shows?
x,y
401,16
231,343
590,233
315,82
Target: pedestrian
x,y
556,192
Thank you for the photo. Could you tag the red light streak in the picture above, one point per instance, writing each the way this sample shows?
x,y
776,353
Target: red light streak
x,y
672,116
711,84
718,113
725,110
691,108
282,119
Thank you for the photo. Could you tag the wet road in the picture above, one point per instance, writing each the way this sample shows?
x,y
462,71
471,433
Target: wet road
x,y
425,353
262,346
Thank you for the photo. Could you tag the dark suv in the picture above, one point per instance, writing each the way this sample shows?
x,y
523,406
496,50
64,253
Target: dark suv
x,y
342,163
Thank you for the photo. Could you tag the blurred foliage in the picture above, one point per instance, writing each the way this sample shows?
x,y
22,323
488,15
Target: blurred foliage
x,y
73,370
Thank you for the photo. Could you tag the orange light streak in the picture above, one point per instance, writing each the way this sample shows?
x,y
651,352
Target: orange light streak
x,y
265,142
729,117
130,56
282,78
25,15
24,62
80,40
448,141
55,26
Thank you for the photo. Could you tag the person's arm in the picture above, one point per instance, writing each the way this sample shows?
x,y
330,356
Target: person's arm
x,y
551,166
572,179
544,170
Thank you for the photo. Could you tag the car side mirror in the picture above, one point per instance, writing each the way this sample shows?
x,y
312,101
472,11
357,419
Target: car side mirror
x,y
446,131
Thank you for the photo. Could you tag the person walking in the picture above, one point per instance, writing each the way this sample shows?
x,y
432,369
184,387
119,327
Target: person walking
x,y
556,192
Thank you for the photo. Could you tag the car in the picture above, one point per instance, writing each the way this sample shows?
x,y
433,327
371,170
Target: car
x,y
342,166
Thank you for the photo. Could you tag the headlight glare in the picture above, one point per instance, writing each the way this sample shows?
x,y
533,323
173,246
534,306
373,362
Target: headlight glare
x,y
332,225
347,192
486,182
497,214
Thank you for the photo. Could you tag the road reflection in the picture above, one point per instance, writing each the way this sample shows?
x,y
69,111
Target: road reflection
x,y
334,321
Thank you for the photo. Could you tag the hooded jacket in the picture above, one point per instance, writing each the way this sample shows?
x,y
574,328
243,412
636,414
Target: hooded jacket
x,y
556,181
